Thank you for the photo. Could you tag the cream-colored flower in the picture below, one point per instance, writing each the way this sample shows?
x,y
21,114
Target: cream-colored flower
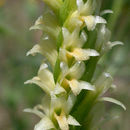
x,y
73,39
83,54
48,24
83,16
44,79
75,72
64,121
44,124
48,109
62,46
108,45
71,78
61,103
77,86
103,43
46,47
86,8
103,82
72,44
103,37
92,21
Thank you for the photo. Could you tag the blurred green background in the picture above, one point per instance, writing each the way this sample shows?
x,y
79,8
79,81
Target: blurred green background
x,y
16,16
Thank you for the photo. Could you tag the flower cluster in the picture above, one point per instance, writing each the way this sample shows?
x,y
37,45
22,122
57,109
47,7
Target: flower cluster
x,y
65,25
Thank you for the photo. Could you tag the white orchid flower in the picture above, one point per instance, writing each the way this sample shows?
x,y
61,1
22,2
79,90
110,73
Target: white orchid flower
x,y
72,46
48,108
44,79
46,47
83,16
71,78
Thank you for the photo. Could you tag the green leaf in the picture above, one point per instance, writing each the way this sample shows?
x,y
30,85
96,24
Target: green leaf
x,y
66,8
112,100
59,40
56,70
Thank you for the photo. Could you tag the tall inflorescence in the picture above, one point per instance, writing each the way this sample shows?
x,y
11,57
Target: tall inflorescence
x,y
74,38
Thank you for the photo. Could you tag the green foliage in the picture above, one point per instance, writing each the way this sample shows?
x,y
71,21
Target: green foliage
x,y
56,70
59,40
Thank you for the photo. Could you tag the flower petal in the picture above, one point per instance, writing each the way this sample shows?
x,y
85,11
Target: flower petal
x,y
44,79
77,86
99,19
72,121
38,22
91,21
44,124
62,55
104,82
46,47
74,85
80,4
57,103
70,102
83,54
65,32
36,49
83,38
86,86
77,70
46,100
106,12
37,81
87,8
74,20
62,121
48,24
108,45
102,38
108,99
58,90
116,43
46,76
34,111
71,39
